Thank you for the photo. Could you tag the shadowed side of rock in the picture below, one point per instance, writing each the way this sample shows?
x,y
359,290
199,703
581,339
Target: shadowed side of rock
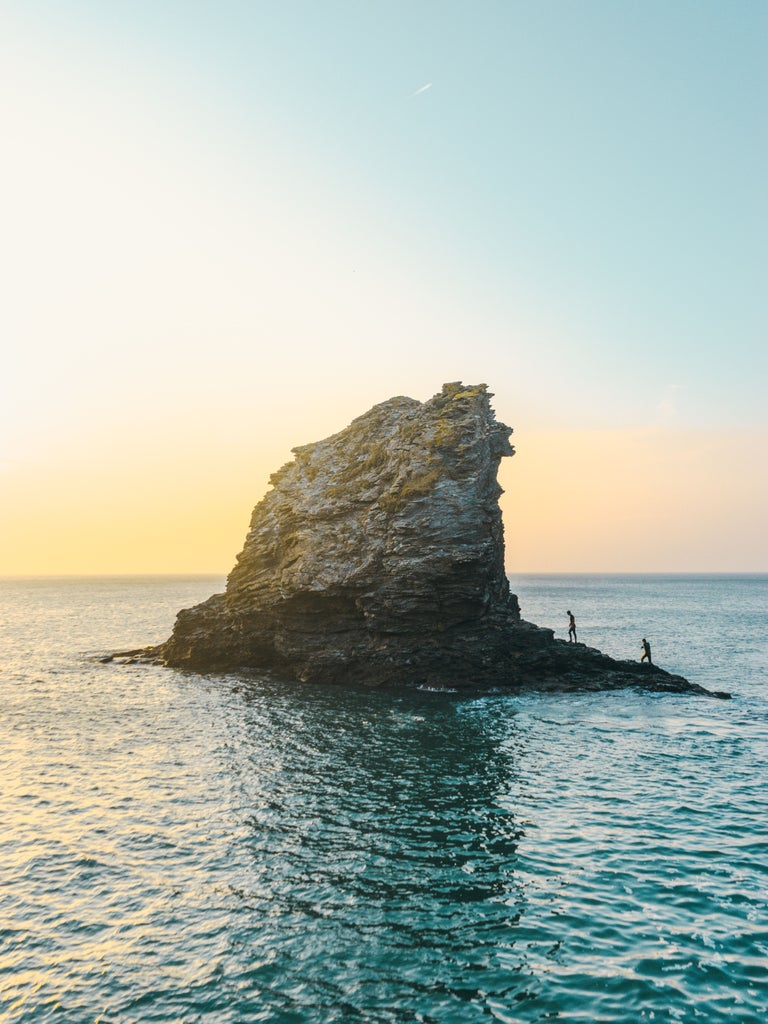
x,y
378,558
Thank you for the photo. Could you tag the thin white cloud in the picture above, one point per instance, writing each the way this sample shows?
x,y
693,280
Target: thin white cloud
x,y
422,88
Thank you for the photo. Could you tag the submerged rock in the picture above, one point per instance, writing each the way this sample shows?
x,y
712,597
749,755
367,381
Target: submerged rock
x,y
378,558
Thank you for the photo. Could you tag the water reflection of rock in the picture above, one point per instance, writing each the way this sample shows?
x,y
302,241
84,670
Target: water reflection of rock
x,y
382,831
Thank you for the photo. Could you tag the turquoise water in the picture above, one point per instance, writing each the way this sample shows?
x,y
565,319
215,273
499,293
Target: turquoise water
x,y
186,849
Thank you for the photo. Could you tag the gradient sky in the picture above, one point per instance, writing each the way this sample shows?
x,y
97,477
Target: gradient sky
x,y
230,227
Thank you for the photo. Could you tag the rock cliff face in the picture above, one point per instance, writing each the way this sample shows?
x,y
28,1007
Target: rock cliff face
x,y
378,558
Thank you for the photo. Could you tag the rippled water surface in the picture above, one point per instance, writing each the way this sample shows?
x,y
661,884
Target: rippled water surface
x,y
227,849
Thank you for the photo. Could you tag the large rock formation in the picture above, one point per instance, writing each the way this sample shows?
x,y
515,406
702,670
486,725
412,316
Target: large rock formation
x,y
378,558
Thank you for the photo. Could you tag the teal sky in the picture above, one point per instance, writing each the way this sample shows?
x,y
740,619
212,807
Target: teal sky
x,y
602,165
566,200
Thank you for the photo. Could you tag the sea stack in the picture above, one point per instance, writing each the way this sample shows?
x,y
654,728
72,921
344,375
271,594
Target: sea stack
x,y
377,558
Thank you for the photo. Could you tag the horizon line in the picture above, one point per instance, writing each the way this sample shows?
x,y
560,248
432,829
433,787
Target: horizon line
x,y
517,572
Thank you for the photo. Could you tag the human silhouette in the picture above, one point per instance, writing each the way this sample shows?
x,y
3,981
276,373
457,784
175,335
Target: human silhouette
x,y
646,652
571,626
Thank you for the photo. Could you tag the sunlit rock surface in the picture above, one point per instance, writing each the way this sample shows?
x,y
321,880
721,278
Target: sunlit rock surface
x,y
378,558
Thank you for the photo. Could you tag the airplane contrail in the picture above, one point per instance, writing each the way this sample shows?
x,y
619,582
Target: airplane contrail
x,y
423,88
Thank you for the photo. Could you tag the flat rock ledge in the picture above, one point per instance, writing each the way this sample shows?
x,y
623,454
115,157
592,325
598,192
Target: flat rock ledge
x,y
377,559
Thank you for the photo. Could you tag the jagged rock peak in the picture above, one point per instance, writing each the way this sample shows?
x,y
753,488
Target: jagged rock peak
x,y
404,471
372,543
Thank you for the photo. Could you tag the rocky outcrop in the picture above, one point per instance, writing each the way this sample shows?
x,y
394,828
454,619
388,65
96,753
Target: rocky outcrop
x,y
378,558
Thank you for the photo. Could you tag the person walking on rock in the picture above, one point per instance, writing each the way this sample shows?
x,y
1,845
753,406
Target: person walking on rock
x,y
646,652
571,626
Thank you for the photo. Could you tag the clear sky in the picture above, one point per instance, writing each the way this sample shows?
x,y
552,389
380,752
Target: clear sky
x,y
229,227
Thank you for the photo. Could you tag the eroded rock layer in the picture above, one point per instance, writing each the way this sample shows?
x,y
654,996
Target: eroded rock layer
x,y
378,558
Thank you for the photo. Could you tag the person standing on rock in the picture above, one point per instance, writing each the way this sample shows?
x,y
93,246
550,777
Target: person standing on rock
x,y
571,626
646,652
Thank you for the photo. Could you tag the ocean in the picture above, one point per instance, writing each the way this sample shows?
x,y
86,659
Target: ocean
x,y
200,850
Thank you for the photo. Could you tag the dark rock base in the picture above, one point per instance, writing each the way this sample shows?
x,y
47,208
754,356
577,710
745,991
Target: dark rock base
x,y
511,658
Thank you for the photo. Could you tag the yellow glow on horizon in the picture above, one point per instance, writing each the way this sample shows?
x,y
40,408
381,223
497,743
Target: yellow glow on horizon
x,y
575,501
100,512
634,501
